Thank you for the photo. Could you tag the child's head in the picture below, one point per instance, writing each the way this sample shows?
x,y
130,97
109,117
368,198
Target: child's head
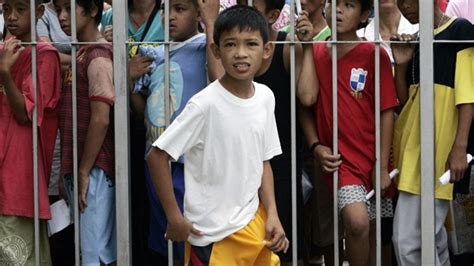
x,y
350,14
88,13
269,8
409,9
241,41
184,19
17,17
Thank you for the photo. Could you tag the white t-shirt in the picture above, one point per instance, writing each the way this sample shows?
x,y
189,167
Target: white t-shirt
x,y
461,8
225,140
403,27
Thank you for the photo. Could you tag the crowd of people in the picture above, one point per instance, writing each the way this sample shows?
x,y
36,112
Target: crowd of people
x,y
215,177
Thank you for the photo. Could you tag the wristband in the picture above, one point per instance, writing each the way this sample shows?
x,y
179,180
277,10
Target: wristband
x,y
313,147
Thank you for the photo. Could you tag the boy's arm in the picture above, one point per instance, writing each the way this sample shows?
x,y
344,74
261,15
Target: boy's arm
x,y
8,56
403,54
178,227
209,10
457,157
98,125
387,118
275,235
307,80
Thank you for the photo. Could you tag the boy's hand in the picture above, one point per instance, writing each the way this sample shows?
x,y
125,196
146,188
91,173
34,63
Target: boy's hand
x,y
83,189
457,163
138,66
12,49
108,33
329,162
304,27
403,52
385,180
275,235
209,9
180,229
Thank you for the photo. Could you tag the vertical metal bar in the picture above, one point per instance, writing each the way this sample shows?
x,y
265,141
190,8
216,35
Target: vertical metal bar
x,y
35,134
294,227
378,221
121,123
427,134
167,94
335,129
74,133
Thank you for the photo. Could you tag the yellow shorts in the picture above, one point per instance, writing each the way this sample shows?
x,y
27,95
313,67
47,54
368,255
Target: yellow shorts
x,y
244,247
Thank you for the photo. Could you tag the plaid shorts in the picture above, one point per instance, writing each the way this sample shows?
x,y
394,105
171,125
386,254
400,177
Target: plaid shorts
x,y
356,193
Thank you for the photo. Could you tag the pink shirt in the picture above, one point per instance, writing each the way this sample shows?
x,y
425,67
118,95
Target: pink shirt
x,y
16,141
461,8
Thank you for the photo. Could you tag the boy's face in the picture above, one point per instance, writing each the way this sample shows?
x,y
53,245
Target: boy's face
x,y
409,9
63,10
184,19
17,18
241,52
348,15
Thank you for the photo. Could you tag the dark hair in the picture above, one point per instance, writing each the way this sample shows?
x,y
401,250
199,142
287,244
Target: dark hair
x,y
274,4
88,5
366,5
241,17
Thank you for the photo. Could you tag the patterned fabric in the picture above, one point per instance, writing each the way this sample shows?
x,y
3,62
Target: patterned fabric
x,y
105,159
356,193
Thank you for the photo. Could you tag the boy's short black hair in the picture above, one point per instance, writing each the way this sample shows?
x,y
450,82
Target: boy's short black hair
x,y
366,5
88,5
241,17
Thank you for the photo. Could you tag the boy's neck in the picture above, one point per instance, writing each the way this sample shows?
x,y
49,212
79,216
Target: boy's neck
x,y
240,88
318,21
389,21
348,36
187,38
143,6
89,34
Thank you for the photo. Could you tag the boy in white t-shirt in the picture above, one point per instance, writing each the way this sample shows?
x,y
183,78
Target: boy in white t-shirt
x,y
227,133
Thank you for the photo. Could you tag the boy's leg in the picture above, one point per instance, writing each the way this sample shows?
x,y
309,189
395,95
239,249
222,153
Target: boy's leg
x,y
354,212
407,230
97,223
244,247
17,241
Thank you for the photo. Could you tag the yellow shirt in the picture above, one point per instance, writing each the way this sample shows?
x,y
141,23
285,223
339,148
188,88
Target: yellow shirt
x,y
406,140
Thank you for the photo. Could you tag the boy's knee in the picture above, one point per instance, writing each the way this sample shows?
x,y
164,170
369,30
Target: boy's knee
x,y
357,227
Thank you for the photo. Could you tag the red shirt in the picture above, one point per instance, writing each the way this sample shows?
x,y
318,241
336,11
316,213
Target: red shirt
x,y
356,108
87,91
16,140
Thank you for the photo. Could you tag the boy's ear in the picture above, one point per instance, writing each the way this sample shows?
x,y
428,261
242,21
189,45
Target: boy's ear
x,y
94,11
272,16
39,11
364,17
268,50
215,51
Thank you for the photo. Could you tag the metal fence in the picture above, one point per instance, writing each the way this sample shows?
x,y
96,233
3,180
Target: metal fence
x,y
122,146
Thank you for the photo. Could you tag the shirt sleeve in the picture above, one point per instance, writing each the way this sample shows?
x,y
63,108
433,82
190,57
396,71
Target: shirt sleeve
x,y
388,92
464,77
100,74
48,85
272,141
184,133
42,26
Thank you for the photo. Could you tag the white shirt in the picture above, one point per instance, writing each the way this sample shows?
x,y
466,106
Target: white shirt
x,y
225,140
403,27
461,8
